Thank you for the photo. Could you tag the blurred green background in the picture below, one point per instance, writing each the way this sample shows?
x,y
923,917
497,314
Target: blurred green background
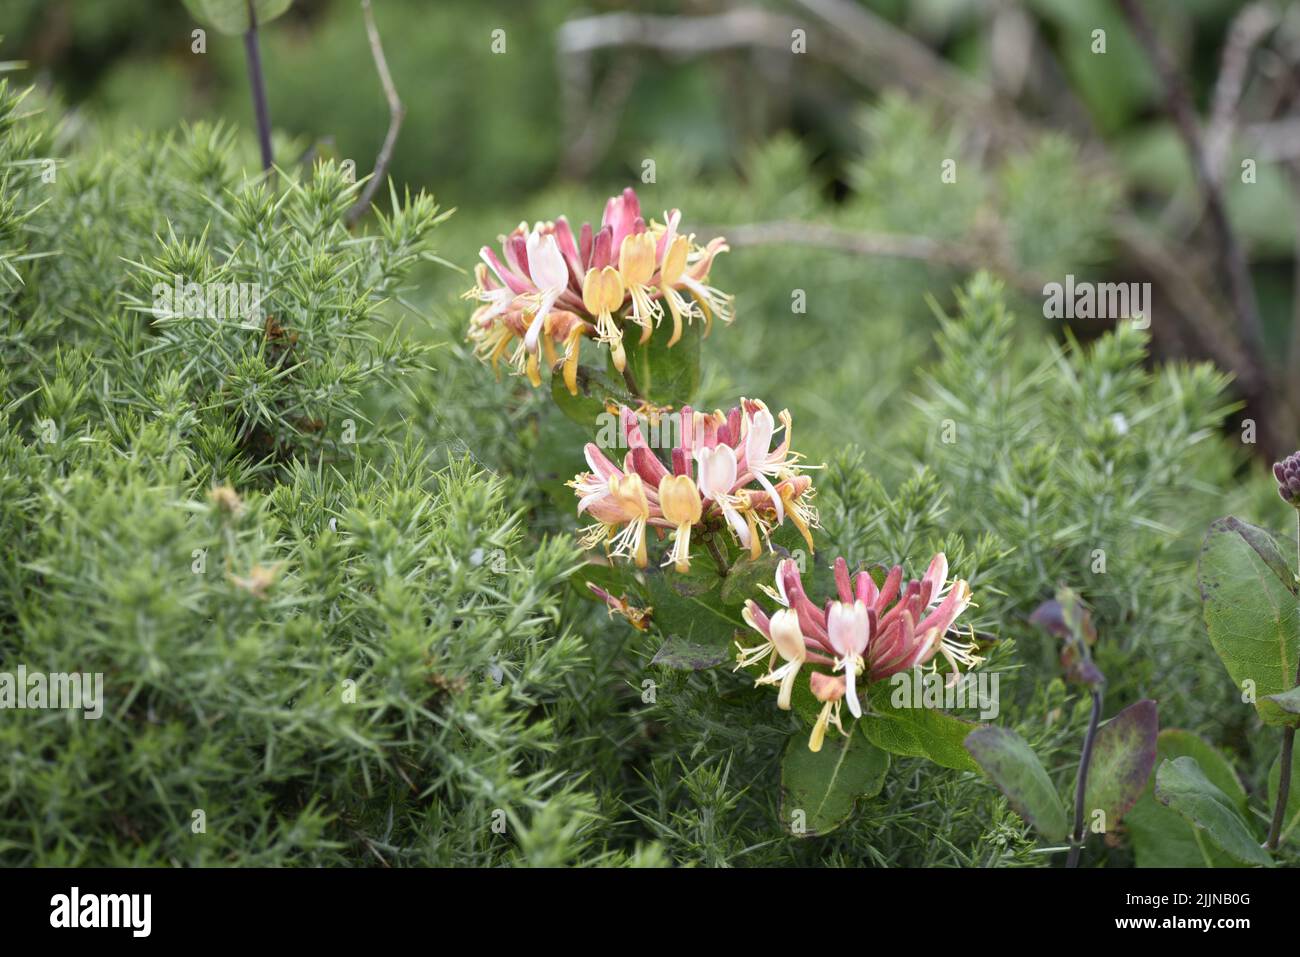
x,y
806,161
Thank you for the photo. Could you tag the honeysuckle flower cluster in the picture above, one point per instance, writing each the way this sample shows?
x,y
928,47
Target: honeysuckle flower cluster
x,y
723,471
549,289
868,633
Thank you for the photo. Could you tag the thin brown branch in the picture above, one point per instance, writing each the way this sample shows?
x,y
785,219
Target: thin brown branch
x,y
679,37
888,245
1287,93
1177,279
1274,140
1248,29
1178,102
1293,353
396,113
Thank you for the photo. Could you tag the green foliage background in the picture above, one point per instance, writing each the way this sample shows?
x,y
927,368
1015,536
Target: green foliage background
x,y
422,566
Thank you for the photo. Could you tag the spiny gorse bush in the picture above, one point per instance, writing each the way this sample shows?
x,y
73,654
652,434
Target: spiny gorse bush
x,y
316,647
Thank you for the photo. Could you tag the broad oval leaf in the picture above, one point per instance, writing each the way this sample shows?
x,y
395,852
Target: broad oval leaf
x,y
688,612
1012,765
746,574
1162,837
596,391
681,654
908,732
1248,593
557,457
1183,786
1123,755
231,16
916,732
664,375
825,785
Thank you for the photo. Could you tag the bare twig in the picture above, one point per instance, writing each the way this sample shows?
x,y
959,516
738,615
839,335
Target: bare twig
x,y
888,245
1238,349
1274,140
396,113
1282,67
1011,49
1249,27
1179,103
1177,278
1293,353
862,45
855,41
679,37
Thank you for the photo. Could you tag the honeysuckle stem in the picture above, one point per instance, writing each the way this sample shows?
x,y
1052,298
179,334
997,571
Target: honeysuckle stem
x,y
258,85
1288,746
1081,790
718,560
1283,789
630,381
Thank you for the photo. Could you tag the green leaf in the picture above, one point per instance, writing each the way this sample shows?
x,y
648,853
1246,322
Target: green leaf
x,y
1183,786
664,376
231,16
1291,817
689,613
916,732
1123,755
825,785
616,578
1248,593
1162,837
818,575
744,577
596,390
681,654
1012,765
